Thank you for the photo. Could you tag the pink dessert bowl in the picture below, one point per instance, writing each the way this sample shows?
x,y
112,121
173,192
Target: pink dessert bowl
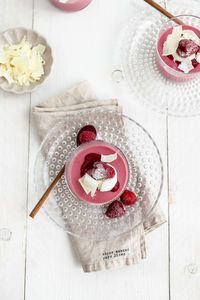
x,y
71,5
87,198
166,70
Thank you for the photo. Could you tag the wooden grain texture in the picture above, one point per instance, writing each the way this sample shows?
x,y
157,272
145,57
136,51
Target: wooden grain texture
x,y
184,188
185,208
14,132
83,46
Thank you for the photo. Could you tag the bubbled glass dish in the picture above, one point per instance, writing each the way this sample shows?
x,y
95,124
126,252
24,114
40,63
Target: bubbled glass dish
x,y
139,67
145,174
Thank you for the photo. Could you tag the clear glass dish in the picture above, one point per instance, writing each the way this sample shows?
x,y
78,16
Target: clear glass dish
x,y
141,71
145,174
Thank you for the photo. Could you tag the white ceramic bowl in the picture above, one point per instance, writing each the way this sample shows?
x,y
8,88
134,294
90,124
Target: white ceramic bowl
x,y
14,36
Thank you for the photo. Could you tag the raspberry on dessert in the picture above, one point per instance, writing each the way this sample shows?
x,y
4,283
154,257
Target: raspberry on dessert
x,y
90,159
128,198
115,210
187,48
102,170
170,57
86,128
116,187
195,63
86,136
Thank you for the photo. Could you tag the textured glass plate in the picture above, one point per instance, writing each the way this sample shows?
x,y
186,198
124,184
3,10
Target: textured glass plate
x,y
145,176
139,67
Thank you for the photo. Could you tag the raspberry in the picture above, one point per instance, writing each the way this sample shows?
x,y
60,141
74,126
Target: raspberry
x,y
128,198
86,136
89,161
194,63
116,187
170,57
187,48
102,170
115,210
89,128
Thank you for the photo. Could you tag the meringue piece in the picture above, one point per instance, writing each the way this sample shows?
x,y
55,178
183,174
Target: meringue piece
x,y
190,35
172,41
89,184
186,65
108,184
198,57
108,158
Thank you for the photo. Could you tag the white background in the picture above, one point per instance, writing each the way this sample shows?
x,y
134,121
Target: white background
x,y
38,261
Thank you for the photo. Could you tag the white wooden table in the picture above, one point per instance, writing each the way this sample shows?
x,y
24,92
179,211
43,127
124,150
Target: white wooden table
x,y
37,262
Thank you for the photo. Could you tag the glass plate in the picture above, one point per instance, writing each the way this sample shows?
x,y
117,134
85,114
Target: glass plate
x,y
138,63
145,174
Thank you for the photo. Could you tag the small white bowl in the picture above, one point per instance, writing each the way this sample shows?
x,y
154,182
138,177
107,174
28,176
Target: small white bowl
x,y
14,36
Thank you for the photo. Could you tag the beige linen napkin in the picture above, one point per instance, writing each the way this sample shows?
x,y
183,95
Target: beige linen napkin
x,y
127,249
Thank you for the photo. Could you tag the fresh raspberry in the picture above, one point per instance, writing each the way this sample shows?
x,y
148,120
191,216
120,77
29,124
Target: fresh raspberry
x,y
128,198
194,63
116,187
115,210
102,170
89,161
86,136
170,57
89,128
187,48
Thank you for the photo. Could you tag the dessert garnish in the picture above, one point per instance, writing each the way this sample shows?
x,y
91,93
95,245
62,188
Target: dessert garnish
x,y
115,210
183,47
90,159
22,63
108,158
102,170
97,174
86,134
128,198
96,171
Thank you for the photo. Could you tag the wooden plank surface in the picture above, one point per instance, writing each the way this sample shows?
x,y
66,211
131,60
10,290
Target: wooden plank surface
x,y
184,160
83,46
14,132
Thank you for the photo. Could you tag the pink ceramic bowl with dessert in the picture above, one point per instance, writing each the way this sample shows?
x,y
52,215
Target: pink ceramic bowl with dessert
x,y
71,5
178,48
97,172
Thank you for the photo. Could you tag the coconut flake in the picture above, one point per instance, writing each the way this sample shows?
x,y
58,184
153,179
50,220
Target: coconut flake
x,y
86,189
108,158
89,184
172,41
186,65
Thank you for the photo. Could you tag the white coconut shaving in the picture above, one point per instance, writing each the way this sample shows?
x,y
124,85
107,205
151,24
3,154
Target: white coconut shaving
x,y
186,65
171,44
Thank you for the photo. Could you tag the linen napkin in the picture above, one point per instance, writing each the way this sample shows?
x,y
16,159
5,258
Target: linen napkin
x,y
129,248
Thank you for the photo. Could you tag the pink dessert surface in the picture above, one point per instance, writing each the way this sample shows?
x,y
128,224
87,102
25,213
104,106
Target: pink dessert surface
x,y
168,60
73,172
71,5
